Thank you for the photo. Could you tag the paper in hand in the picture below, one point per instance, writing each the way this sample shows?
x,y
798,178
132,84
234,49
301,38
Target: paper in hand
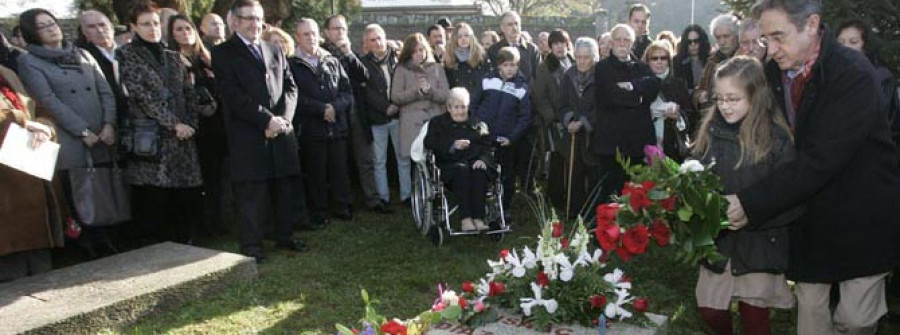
x,y
17,153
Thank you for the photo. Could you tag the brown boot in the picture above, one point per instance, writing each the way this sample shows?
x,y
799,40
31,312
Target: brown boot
x,y
754,320
718,320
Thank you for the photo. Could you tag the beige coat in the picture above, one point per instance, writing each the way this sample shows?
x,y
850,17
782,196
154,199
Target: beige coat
x,y
417,108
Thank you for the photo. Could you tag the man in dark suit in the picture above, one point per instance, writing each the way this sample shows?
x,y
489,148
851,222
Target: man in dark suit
x,y
260,97
101,44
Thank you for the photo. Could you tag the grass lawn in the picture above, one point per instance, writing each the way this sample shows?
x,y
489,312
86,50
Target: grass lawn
x,y
309,292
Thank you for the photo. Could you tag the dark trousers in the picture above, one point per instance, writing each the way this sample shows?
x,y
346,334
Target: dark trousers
x,y
509,164
527,161
166,214
613,175
364,158
584,180
325,165
468,188
256,201
212,166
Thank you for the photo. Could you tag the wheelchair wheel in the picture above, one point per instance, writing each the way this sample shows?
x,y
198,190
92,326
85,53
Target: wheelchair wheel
x,y
436,235
421,204
496,237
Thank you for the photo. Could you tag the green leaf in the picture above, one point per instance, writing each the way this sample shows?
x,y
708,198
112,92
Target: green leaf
x,y
685,213
365,296
451,313
657,195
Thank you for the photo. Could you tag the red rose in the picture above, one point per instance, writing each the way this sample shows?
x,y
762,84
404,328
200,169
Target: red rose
x,y
608,236
636,239
606,213
565,242
640,304
468,287
669,203
496,288
557,229
598,301
503,254
542,279
625,279
648,185
637,196
462,303
624,254
393,328
660,232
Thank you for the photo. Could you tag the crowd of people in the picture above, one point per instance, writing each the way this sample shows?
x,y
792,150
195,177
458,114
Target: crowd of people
x,y
798,119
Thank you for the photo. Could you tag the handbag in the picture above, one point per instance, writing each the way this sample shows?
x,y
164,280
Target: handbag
x,y
100,194
139,137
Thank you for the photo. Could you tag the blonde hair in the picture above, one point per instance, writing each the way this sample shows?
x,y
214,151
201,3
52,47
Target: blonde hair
x,y
476,51
656,46
757,133
267,36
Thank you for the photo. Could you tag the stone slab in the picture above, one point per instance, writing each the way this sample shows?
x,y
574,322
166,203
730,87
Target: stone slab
x,y
115,291
508,324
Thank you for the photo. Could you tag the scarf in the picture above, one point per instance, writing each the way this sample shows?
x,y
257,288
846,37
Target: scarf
x,y
462,55
156,49
11,95
66,57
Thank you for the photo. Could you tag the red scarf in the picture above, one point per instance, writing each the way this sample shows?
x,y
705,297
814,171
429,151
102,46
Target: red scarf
x,y
11,95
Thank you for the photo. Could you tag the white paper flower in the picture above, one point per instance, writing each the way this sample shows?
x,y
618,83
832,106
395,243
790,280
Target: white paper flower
x,y
528,303
518,270
691,165
529,259
615,308
450,298
586,258
615,278
566,269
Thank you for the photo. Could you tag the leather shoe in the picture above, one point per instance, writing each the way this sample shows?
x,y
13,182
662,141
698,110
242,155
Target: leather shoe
x,y
315,225
292,245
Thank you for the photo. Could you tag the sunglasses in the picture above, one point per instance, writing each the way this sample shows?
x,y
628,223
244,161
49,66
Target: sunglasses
x,y
656,59
694,41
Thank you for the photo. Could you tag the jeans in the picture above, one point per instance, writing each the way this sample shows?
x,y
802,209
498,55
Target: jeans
x,y
380,134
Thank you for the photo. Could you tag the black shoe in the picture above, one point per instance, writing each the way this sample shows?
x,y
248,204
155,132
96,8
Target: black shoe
x,y
345,215
407,202
381,208
315,225
292,245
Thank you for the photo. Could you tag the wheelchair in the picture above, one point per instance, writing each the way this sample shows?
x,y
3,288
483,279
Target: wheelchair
x,y
433,206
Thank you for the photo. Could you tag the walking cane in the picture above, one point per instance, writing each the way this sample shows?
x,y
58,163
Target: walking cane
x,y
571,166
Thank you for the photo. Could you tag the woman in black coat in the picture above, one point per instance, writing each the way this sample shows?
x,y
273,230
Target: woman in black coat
x,y
462,148
693,51
578,115
674,117
466,62
212,145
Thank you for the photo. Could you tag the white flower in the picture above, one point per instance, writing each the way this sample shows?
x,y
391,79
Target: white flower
x,y
450,298
615,278
518,270
585,258
527,303
529,259
615,308
483,288
566,269
691,165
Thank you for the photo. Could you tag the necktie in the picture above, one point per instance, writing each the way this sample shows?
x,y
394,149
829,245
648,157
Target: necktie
x,y
254,49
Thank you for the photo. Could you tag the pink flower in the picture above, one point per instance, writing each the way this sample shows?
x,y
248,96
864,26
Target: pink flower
x,y
479,306
653,153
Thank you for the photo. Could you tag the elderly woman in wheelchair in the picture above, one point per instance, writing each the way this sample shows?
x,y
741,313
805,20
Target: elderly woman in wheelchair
x,y
462,148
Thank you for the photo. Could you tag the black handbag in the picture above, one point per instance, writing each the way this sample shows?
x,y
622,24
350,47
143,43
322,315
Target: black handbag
x,y
101,195
139,137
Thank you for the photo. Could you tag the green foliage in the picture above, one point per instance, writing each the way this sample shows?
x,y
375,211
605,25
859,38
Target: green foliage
x,y
883,15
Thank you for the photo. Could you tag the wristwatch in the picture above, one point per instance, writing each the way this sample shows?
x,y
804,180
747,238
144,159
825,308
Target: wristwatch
x,y
86,132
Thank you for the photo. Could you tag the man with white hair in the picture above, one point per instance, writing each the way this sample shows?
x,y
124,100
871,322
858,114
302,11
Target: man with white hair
x,y
100,42
725,29
625,88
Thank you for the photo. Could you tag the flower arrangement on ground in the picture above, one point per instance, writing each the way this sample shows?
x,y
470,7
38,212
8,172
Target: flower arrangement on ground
x,y
667,202
564,280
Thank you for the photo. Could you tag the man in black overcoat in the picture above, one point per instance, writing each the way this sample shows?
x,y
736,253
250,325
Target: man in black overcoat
x,y
846,172
260,98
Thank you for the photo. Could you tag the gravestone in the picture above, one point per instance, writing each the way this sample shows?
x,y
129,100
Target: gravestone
x,y
508,324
